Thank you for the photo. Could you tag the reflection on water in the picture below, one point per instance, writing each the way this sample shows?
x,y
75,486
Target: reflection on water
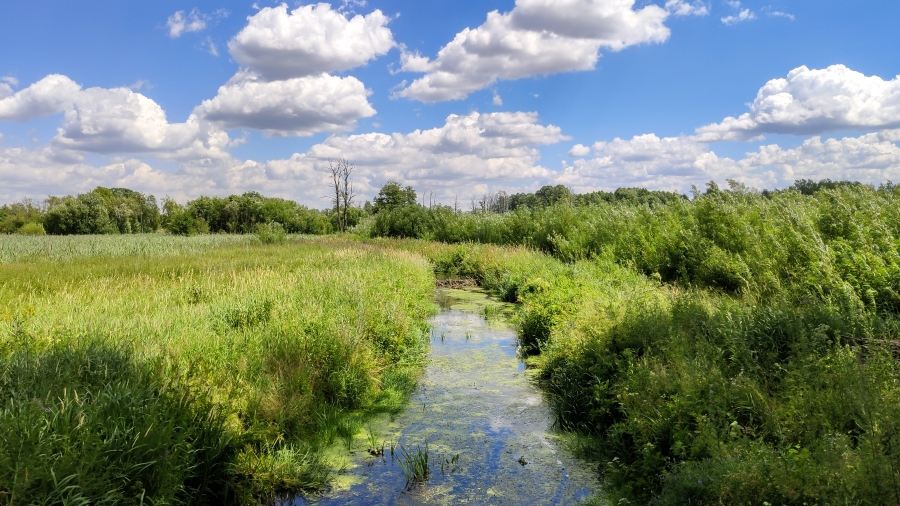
x,y
474,401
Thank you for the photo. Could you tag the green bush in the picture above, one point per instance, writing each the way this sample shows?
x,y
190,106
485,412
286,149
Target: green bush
x,y
31,229
271,233
406,221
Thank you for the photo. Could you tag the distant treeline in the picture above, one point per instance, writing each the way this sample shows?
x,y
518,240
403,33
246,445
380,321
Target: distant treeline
x,y
395,211
124,211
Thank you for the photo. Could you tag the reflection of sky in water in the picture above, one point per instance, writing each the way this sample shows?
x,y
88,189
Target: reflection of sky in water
x,y
474,400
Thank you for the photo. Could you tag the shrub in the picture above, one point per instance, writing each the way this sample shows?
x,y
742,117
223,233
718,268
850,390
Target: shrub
x,y
270,233
31,229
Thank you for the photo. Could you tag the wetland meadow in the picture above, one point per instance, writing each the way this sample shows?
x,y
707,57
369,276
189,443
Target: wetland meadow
x,y
736,347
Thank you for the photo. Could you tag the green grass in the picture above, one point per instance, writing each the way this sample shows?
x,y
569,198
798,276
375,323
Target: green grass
x,y
209,369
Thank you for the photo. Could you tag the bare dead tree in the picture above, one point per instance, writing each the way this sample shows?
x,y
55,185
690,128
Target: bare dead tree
x,y
334,166
347,191
456,204
341,169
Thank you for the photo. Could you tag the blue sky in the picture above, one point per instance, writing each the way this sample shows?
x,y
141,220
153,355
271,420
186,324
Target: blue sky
x,y
459,98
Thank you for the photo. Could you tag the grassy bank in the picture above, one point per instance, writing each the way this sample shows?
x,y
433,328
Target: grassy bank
x,y
687,395
211,374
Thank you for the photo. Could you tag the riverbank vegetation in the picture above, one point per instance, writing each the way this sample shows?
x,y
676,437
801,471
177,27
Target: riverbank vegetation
x,y
735,348
197,370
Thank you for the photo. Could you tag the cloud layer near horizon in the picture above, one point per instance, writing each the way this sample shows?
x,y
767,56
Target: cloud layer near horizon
x,y
676,163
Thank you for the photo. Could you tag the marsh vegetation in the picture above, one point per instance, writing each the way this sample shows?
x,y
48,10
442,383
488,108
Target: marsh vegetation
x,y
735,348
209,375
729,348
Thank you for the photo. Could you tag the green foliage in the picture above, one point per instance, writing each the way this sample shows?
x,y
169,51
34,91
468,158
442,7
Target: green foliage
x,y
84,214
393,196
242,361
179,221
810,187
124,211
241,214
405,221
414,465
354,217
31,229
271,233
88,424
698,395
72,248
18,214
102,211
734,240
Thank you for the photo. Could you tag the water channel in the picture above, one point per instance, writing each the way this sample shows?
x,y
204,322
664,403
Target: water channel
x,y
487,428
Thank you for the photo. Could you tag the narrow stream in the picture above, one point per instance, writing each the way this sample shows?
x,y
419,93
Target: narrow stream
x,y
473,404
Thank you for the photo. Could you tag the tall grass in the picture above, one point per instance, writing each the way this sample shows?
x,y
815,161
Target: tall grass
x,y
15,249
199,377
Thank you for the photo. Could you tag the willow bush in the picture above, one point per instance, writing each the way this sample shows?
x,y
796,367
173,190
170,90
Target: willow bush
x,y
784,391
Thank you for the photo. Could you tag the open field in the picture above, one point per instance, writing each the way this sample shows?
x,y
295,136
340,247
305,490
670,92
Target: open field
x,y
207,376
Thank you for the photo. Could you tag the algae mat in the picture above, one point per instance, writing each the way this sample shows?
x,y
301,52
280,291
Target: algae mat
x,y
486,426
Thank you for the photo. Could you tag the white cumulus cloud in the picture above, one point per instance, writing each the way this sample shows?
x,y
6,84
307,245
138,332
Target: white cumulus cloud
x,y
538,37
779,14
309,40
467,156
579,150
648,161
51,95
682,8
121,121
117,120
810,102
299,106
468,150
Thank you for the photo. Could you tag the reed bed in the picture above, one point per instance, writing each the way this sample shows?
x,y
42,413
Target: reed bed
x,y
22,248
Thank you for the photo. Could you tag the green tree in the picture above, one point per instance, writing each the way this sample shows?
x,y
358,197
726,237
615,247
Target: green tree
x,y
549,195
18,214
393,196
85,214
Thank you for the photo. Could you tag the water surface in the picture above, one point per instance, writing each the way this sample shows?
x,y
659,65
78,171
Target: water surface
x,y
475,402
